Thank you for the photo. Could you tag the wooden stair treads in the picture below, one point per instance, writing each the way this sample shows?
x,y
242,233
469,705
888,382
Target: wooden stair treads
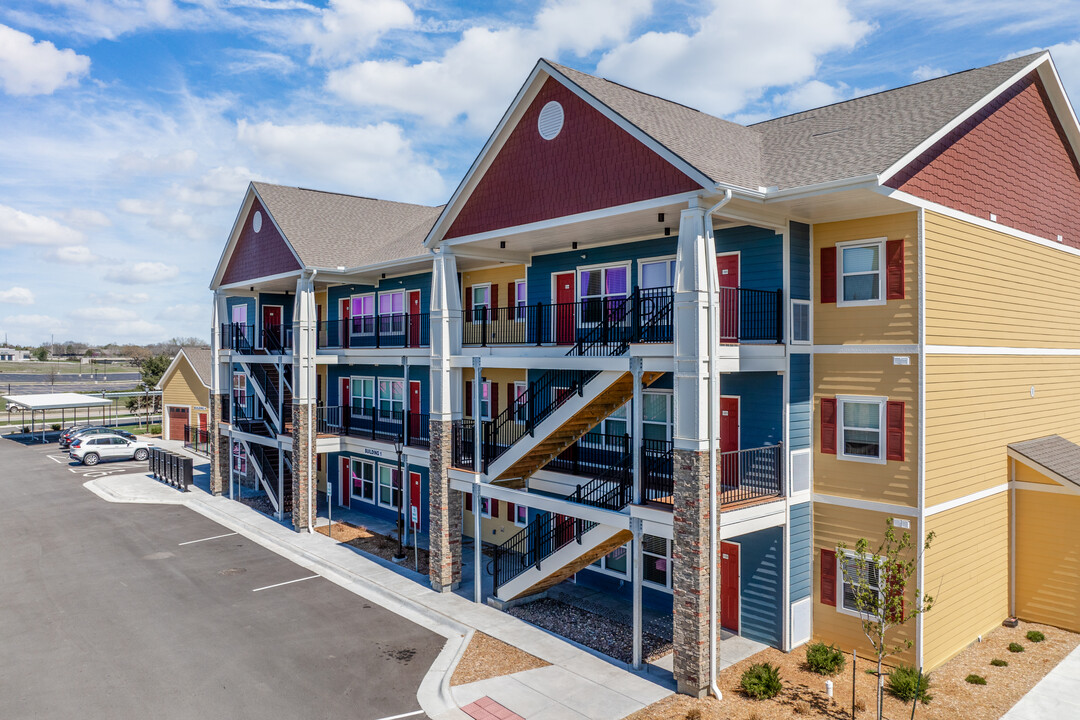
x,y
611,399
582,561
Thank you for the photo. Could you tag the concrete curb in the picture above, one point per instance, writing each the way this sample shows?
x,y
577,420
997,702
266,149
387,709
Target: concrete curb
x,y
434,695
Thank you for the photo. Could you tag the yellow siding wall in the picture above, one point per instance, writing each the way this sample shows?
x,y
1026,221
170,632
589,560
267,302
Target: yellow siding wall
x,y
895,322
185,388
857,374
987,288
977,404
967,574
496,276
501,376
1048,558
1023,473
495,530
833,525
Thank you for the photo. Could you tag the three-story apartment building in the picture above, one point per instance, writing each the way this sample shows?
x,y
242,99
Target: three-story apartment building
x,y
683,359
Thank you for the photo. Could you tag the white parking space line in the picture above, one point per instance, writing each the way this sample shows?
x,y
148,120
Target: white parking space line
x,y
192,542
403,715
287,582
61,459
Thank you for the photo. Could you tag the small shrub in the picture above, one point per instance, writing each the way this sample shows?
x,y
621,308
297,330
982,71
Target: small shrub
x,y
801,708
905,684
1016,647
26,428
56,426
155,430
996,662
754,716
975,679
693,714
761,681
824,659
1035,636
860,706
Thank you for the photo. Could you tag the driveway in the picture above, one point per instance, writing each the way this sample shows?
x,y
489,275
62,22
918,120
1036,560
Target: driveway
x,y
135,611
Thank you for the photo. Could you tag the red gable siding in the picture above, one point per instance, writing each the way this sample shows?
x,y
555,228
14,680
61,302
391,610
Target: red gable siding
x,y
1011,159
591,164
260,254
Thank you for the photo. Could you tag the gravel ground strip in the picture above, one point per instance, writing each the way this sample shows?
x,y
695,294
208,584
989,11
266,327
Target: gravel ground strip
x,y
375,543
487,657
599,632
804,696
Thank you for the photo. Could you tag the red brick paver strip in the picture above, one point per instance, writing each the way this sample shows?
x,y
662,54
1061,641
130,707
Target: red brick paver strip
x,y
487,709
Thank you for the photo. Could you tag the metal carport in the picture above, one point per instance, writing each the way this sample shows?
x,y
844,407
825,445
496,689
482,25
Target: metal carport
x,y
56,401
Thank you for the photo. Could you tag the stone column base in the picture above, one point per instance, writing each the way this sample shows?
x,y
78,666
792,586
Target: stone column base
x,y
220,452
302,490
445,507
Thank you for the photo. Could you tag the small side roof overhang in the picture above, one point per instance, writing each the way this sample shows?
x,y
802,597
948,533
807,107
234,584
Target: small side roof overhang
x,y
54,401
1053,456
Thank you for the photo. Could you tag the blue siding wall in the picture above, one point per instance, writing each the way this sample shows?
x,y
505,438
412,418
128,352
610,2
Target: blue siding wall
x,y
230,303
799,241
761,260
334,473
539,274
799,397
801,541
420,281
761,585
761,395
287,302
420,373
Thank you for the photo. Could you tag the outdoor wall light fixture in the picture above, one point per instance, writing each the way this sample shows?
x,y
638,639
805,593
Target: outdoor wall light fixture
x,y
667,231
573,246
659,217
384,276
502,244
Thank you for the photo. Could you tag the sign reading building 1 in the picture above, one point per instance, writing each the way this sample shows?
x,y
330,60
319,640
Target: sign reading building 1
x,y
375,453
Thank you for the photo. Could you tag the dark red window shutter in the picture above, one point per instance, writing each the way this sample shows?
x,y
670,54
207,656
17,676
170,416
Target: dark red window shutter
x,y
468,501
494,505
468,303
468,398
894,269
510,511
828,425
494,295
494,399
894,422
828,577
511,296
894,587
827,274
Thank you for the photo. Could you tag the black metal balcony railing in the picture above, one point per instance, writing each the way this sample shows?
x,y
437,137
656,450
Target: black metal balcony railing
x,y
238,337
463,443
277,338
657,465
381,331
197,439
751,315
417,427
373,424
592,453
750,474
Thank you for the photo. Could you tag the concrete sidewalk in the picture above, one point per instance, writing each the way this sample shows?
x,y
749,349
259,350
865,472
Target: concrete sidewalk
x,y
1055,697
578,685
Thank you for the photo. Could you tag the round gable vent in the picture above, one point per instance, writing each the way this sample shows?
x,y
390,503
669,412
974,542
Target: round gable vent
x,y
550,121
256,222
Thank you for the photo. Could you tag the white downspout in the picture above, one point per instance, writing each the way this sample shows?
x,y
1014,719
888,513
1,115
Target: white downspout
x,y
714,424
310,421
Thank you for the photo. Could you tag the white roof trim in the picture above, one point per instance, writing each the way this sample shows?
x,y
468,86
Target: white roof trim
x,y
172,368
234,237
1041,469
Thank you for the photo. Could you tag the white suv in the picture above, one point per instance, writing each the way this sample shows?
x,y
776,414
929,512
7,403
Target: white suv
x,y
95,448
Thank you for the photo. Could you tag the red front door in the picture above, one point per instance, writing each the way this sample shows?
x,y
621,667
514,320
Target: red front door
x,y
414,318
727,268
729,586
202,421
178,418
729,442
271,323
345,400
414,409
343,324
414,500
565,310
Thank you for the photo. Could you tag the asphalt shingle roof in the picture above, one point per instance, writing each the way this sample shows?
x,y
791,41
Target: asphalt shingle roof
x,y
849,139
1054,453
331,230
201,360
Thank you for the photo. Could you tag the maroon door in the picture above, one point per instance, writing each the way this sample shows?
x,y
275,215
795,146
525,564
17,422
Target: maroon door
x,y
414,409
343,324
729,586
272,322
414,318
414,500
202,421
178,418
346,481
729,442
565,309
727,267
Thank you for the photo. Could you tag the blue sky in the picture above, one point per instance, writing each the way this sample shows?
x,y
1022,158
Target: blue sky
x,y
130,128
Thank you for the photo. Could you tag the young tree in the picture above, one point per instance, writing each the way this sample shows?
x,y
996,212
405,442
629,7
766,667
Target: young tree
x,y
41,354
879,582
152,368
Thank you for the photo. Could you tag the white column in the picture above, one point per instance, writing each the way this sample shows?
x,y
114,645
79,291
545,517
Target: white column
x,y
445,338
305,336
638,566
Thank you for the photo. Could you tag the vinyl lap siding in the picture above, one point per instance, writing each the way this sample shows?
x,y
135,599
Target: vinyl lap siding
x,y
760,406
761,585
761,264
1048,558
800,413
799,530
799,244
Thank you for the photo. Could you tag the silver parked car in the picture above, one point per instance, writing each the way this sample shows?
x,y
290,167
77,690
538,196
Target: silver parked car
x,y
93,449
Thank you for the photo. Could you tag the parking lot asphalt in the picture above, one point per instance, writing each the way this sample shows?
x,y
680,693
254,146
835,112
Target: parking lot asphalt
x,y
135,611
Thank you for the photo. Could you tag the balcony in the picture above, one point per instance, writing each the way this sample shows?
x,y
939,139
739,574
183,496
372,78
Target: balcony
x,y
379,331
241,338
372,424
746,476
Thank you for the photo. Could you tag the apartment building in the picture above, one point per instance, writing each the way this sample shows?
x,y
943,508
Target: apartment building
x,y
637,335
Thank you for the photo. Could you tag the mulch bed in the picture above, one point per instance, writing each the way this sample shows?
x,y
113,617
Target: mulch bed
x,y
260,503
804,696
487,657
593,630
376,544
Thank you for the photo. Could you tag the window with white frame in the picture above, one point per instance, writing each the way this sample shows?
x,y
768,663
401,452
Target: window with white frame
x,y
656,415
612,430
239,389
485,400
363,315
389,492
601,291
854,573
615,562
800,321
861,424
521,405
362,483
391,398
656,554
392,312
363,395
521,299
521,515
485,507
657,274
481,301
860,276
239,458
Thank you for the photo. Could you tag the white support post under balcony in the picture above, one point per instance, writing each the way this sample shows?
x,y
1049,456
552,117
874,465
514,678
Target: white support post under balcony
x,y
445,338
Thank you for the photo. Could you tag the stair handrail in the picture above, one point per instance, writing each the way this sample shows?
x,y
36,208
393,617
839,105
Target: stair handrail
x,y
613,489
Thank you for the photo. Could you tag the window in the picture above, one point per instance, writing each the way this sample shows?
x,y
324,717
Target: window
x,y
861,420
851,569
391,398
521,406
656,415
485,507
656,552
800,321
860,280
392,308
602,290
485,400
239,390
239,458
521,515
611,432
362,483
615,562
657,274
363,396
481,301
521,299
389,492
363,315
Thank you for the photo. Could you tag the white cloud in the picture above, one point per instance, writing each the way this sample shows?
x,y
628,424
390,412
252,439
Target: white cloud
x,y
36,68
219,186
17,296
926,72
138,162
347,28
1066,57
376,160
114,322
74,255
121,298
87,218
477,77
142,273
1003,16
32,322
812,94
258,61
19,228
